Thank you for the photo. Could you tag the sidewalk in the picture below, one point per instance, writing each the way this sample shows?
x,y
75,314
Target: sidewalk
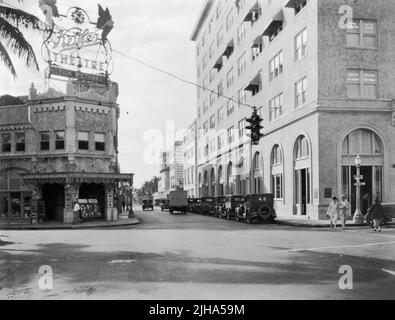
x,y
299,222
62,226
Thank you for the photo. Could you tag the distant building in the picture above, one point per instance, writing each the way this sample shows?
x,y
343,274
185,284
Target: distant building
x,y
190,158
324,88
58,148
176,166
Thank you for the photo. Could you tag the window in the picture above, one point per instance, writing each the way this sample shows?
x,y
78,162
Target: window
x,y
256,48
100,142
362,142
211,50
221,141
229,107
44,141
229,20
213,73
230,78
83,140
205,127
242,64
212,122
362,34
212,146
20,141
205,61
277,172
301,92
242,125
301,45
205,106
276,107
240,4
220,88
199,112
241,32
219,11
230,135
6,142
220,36
276,67
242,97
220,114
302,148
212,98
361,84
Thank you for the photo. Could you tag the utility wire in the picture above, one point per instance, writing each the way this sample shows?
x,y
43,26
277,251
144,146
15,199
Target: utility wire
x,y
181,79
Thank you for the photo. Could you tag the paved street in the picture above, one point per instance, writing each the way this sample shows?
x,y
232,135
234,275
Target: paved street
x,y
197,257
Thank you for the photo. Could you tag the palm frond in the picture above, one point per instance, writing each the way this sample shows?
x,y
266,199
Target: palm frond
x,y
13,38
19,18
5,57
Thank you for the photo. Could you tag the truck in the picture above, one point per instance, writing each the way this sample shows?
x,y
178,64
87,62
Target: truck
x,y
178,201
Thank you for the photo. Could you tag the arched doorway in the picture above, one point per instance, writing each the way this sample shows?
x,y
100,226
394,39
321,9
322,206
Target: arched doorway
x,y
257,174
368,145
200,185
94,191
220,182
212,182
302,175
54,201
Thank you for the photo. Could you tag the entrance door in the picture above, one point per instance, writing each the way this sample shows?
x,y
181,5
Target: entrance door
x,y
302,190
372,177
53,197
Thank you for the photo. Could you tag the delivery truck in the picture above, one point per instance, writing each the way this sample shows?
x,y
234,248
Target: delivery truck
x,y
178,201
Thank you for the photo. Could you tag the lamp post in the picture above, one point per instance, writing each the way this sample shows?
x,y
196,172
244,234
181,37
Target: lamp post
x,y
358,216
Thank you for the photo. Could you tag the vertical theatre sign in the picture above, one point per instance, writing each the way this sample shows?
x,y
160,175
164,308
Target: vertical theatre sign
x,y
76,47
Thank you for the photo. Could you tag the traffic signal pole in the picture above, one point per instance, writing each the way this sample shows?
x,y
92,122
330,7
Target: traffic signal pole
x,y
250,172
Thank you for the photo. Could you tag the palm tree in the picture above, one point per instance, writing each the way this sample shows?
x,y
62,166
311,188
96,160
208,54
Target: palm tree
x,y
11,37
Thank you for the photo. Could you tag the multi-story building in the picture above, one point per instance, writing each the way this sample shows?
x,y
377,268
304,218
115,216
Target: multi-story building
x,y
190,141
321,75
176,166
57,148
164,182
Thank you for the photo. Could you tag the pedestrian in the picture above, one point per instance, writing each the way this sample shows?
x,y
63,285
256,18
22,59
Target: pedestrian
x,y
76,212
333,212
377,215
344,208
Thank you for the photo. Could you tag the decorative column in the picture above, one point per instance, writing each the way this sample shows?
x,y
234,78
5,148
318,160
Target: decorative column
x,y
358,216
71,195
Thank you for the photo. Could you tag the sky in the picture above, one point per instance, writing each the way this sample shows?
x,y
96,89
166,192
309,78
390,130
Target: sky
x,y
155,108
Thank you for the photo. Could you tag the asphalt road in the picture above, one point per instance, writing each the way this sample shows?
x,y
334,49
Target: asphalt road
x,y
197,257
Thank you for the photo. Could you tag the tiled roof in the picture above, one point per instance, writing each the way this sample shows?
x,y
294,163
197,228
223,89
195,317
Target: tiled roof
x,y
12,115
8,100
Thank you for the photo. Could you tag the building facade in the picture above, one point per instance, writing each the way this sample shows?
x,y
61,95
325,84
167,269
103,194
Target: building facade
x,y
320,74
59,148
176,166
190,159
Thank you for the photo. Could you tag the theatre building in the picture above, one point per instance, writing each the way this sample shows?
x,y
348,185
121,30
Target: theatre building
x,y
325,87
57,148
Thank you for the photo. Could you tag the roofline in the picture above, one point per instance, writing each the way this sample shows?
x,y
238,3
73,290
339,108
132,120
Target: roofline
x,y
64,98
202,17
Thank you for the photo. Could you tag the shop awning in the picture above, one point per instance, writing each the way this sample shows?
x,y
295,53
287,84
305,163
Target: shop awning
x,y
293,3
276,22
253,14
218,64
75,177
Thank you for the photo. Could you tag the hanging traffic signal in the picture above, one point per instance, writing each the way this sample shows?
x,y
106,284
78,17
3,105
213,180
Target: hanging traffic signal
x,y
255,127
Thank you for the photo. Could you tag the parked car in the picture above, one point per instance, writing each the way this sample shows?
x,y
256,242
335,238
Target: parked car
x,y
257,208
164,204
220,202
196,206
232,203
148,204
191,202
178,201
207,206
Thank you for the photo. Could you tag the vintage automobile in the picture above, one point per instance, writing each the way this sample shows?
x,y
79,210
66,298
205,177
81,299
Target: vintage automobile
x,y
257,208
232,203
164,204
191,202
196,205
148,204
220,202
178,201
207,206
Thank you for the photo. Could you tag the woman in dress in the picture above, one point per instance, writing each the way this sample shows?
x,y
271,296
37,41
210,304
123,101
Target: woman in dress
x,y
333,213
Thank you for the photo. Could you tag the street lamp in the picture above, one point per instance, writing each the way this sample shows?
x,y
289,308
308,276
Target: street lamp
x,y
358,216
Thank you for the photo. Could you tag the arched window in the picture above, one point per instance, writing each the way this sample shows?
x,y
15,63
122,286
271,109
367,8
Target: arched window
x,y
212,184
362,142
205,186
277,172
200,185
302,150
229,179
220,181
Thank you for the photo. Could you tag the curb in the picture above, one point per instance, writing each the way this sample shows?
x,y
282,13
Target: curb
x,y
69,227
304,225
